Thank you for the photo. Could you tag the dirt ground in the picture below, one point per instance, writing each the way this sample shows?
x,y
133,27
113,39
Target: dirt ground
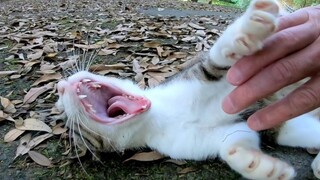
x,y
22,16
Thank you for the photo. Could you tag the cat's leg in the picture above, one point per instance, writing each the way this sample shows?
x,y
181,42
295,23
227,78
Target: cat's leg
x,y
302,131
240,149
246,35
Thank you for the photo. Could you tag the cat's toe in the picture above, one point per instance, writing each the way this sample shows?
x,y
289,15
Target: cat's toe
x,y
270,6
316,166
254,164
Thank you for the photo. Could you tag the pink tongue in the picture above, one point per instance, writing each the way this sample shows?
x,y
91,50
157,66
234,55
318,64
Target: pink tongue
x,y
120,102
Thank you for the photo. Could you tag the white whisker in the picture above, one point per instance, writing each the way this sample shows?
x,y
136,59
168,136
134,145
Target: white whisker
x,y
75,146
83,140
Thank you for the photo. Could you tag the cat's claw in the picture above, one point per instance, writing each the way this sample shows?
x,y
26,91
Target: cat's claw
x,y
257,24
316,166
254,164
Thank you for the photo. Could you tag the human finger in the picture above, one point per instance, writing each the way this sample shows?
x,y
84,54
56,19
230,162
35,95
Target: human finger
x,y
302,100
277,46
296,18
279,74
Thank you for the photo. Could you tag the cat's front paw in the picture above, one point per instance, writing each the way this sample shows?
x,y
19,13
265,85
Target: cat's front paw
x,y
254,164
258,22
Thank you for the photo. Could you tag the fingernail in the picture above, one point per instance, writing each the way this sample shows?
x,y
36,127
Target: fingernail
x,y
254,123
234,76
228,105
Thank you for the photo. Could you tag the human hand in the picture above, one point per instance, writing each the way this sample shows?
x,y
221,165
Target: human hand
x,y
288,56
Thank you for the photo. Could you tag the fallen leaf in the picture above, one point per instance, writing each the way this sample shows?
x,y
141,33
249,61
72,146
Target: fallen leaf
x,y
187,170
37,140
12,135
151,44
36,55
177,162
40,159
196,26
22,148
33,93
4,116
59,130
146,156
32,124
47,77
8,106
51,55
6,73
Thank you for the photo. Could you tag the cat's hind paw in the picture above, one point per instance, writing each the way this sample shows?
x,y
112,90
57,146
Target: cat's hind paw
x,y
316,166
254,164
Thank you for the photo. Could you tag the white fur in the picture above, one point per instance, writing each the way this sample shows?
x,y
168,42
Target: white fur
x,y
186,121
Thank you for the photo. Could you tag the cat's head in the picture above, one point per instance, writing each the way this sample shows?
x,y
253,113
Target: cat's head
x,y
102,106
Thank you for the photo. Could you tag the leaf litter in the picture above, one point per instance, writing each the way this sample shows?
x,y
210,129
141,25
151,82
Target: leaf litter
x,y
129,45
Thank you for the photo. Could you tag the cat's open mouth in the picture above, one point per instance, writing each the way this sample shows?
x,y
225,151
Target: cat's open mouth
x,y
108,104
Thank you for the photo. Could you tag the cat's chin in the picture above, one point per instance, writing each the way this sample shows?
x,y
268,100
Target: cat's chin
x,y
108,104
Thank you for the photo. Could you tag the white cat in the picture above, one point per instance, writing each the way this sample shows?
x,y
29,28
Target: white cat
x,y
182,118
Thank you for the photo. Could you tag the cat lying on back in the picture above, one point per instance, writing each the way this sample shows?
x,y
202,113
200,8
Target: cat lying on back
x,y
182,118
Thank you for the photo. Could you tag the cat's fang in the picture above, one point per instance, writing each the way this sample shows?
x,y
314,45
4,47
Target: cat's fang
x,y
97,86
92,110
86,80
78,90
82,96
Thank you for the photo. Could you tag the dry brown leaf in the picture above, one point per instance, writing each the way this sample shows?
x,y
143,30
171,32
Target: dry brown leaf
x,y
46,78
187,170
177,162
188,38
151,44
40,159
8,106
36,55
154,80
51,55
160,51
15,76
12,135
196,26
37,140
4,116
146,156
32,124
22,148
33,93
313,151
59,130
91,46
155,60
6,73
105,51
114,46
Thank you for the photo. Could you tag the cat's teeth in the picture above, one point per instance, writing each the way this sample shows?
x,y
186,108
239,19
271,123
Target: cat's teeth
x,y
144,106
78,90
97,86
86,80
130,97
82,96
92,110
89,105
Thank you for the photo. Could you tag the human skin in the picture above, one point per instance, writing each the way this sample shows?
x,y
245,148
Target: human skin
x,y
291,54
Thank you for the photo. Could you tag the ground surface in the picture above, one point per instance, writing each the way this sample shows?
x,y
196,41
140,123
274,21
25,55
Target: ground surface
x,y
37,36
